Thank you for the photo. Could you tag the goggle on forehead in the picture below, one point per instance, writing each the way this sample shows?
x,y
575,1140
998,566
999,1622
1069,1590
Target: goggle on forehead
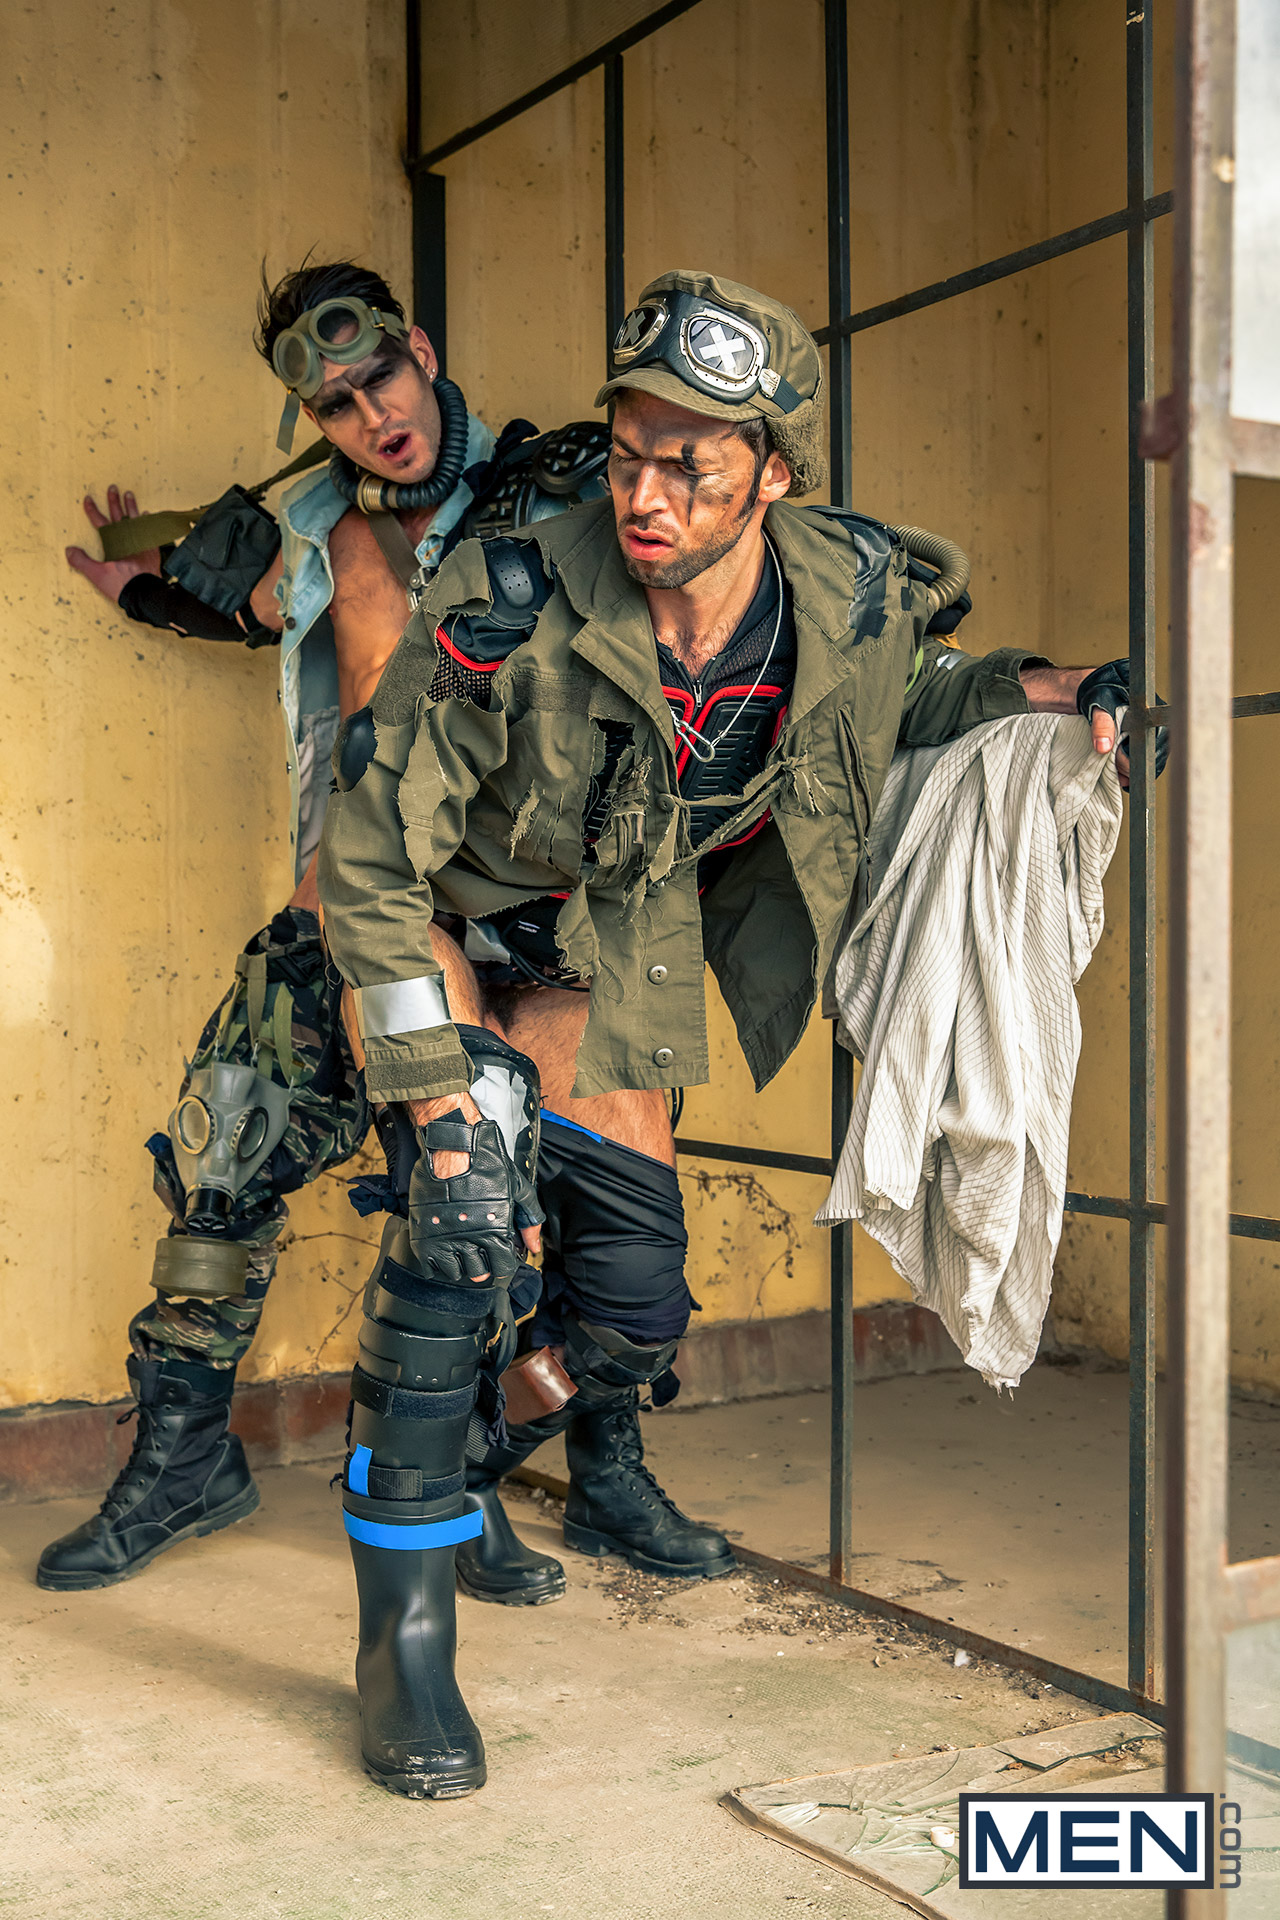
x,y
706,346
343,330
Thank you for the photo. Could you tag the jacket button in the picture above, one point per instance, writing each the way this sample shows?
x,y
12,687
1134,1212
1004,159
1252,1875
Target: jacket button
x,y
291,623
657,975
663,1057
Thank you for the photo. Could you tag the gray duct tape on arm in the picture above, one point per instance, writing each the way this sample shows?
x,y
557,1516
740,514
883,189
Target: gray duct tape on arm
x,y
402,1006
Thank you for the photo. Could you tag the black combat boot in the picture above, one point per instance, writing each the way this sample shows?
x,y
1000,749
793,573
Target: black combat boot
x,y
615,1505
497,1565
186,1476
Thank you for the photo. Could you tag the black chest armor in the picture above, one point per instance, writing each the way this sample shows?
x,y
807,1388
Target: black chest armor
x,y
722,744
727,721
530,475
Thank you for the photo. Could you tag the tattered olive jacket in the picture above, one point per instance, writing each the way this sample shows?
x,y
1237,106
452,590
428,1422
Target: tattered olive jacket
x,y
472,809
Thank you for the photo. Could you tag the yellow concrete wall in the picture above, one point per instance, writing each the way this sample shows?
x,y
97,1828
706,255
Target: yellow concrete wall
x,y
166,153
155,152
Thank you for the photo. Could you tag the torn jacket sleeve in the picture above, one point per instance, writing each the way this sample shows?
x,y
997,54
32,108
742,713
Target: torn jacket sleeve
x,y
383,840
950,691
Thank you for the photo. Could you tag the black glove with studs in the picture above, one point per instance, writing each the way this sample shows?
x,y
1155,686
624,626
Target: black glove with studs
x,y
1107,689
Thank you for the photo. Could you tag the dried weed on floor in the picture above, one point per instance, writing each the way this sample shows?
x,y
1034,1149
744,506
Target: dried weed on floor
x,y
759,1604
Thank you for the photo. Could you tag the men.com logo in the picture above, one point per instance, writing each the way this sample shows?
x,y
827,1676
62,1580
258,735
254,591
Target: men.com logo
x,y
1086,1840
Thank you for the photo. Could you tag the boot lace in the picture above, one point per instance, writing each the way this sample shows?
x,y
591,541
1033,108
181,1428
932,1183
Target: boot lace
x,y
629,1454
113,1504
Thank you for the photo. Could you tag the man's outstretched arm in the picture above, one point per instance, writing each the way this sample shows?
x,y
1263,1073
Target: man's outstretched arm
x,y
137,586
951,691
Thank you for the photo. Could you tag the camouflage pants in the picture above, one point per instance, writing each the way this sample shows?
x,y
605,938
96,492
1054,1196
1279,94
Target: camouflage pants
x,y
328,1119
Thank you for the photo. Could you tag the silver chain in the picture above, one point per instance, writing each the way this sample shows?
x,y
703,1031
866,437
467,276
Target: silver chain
x,y
699,746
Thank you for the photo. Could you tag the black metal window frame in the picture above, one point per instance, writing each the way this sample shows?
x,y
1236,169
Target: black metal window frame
x,y
1140,1208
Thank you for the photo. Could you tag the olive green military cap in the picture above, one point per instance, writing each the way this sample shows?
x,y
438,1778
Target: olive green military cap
x,y
721,349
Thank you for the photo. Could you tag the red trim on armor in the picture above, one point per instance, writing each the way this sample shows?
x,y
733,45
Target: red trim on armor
x,y
476,666
683,750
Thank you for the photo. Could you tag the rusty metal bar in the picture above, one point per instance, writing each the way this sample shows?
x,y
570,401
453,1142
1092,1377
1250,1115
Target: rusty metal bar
x,y
1245,706
660,17
840,1527
1200,916
1245,1226
1139,140
840,380
756,1156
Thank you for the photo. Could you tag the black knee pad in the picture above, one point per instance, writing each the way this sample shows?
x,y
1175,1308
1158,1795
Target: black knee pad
x,y
425,1384
615,1236
397,1290
408,1431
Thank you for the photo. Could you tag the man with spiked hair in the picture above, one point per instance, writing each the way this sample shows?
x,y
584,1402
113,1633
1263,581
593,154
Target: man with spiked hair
x,y
274,1096
647,734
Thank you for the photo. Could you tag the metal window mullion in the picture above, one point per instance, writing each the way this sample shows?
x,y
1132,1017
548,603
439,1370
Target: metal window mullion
x,y
412,84
839,263
1142,900
836,35
991,271
615,252
427,215
1200,917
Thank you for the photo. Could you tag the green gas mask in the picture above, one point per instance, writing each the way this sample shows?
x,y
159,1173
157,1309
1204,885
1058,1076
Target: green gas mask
x,y
343,331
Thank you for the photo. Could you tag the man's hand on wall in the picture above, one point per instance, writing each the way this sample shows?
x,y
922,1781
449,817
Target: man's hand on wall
x,y
109,576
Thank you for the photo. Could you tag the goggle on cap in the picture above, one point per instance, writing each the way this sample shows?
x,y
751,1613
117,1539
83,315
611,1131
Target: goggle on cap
x,y
724,350
300,352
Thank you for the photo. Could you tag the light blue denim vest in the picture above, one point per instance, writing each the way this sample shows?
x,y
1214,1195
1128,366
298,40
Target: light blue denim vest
x,y
308,694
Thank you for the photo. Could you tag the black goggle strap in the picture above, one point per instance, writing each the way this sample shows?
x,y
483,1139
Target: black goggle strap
x,y
658,330
288,421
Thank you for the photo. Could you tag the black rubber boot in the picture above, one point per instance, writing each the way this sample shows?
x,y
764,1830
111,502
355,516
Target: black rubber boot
x,y
417,1737
616,1506
406,1511
185,1476
497,1565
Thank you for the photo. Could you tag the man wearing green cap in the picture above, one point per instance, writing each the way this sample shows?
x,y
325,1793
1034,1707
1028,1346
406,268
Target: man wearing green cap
x,y
644,735
409,470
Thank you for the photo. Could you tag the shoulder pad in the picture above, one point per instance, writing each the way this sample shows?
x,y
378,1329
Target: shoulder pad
x,y
873,543
563,462
538,476
520,588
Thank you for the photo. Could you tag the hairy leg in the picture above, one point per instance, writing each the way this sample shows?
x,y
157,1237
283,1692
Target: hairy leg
x,y
547,1024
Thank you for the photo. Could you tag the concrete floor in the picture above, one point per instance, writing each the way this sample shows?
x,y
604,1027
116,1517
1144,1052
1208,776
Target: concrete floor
x,y
184,1745
1006,1513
